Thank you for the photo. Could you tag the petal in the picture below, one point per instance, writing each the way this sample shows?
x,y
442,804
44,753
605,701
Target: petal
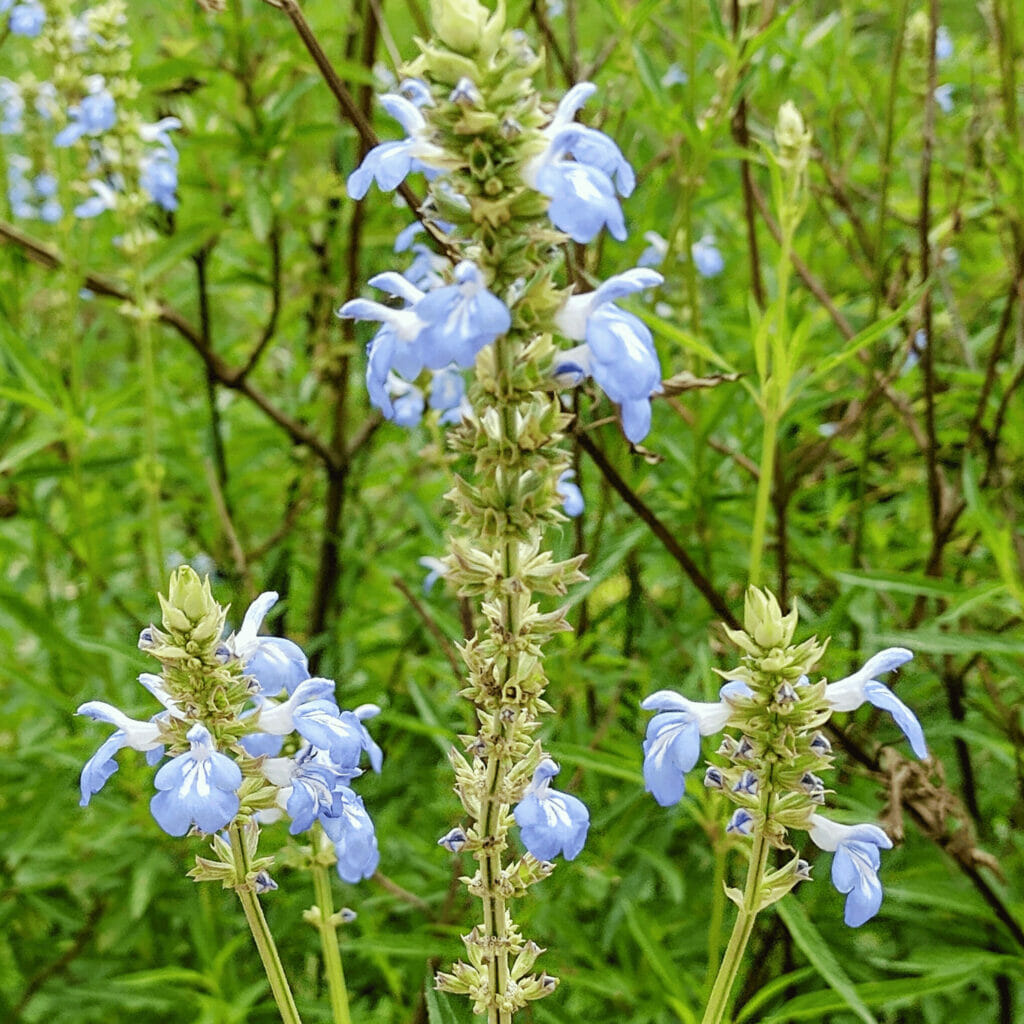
x,y
405,113
254,616
636,419
671,749
882,697
570,105
854,871
629,282
98,769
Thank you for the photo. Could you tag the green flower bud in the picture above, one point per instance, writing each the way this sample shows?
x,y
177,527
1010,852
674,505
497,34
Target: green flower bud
x,y
459,23
764,622
792,137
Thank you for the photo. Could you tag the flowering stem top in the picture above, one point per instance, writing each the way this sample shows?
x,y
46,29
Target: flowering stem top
x,y
510,180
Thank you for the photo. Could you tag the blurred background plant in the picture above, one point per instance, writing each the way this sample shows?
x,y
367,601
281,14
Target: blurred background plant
x,y
892,514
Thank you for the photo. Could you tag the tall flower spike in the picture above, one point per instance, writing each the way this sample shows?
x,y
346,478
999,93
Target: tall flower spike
x,y
855,864
850,693
551,822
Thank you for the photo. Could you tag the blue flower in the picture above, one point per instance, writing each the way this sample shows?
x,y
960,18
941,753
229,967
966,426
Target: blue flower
x,y
674,75
551,822
448,394
850,693
12,106
390,162
855,864
741,823
342,733
586,145
158,167
27,19
619,352
436,569
397,346
277,663
706,257
463,318
94,115
407,400
656,251
279,719
672,743
582,197
944,97
571,495
310,784
105,198
416,91
129,733
197,787
943,43
355,843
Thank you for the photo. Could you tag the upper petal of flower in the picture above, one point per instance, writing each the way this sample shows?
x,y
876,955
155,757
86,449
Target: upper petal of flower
x,y
137,735
848,694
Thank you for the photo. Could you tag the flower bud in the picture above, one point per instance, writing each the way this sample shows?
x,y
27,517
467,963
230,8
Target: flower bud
x,y
459,23
792,137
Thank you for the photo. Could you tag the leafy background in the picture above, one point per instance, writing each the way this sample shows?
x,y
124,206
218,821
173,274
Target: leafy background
x,y
894,515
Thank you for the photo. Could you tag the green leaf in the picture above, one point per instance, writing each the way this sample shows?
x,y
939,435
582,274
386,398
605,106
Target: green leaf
x,y
816,948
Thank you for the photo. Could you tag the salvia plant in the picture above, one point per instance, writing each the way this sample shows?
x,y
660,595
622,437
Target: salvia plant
x,y
488,325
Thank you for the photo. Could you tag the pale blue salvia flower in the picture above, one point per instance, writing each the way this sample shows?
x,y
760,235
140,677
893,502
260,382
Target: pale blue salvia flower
x,y
355,842
551,822
27,19
463,317
944,97
389,163
706,257
619,352
850,693
94,115
454,841
12,106
672,743
917,347
571,495
397,345
943,43
341,733
280,719
198,787
448,394
582,197
309,784
158,167
855,864
674,75
587,145
417,92
741,823
436,570
465,93
104,198
656,251
407,400
130,732
277,663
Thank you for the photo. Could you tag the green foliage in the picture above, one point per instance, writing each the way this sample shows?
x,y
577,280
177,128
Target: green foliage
x,y
894,517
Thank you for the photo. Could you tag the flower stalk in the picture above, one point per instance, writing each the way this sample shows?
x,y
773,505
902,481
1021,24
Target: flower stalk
x,y
326,921
265,945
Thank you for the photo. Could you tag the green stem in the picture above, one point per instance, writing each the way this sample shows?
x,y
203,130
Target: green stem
x,y
741,931
329,943
261,933
717,914
764,489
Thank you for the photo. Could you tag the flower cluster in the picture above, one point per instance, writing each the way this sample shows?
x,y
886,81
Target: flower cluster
x,y
87,106
230,708
772,770
447,313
